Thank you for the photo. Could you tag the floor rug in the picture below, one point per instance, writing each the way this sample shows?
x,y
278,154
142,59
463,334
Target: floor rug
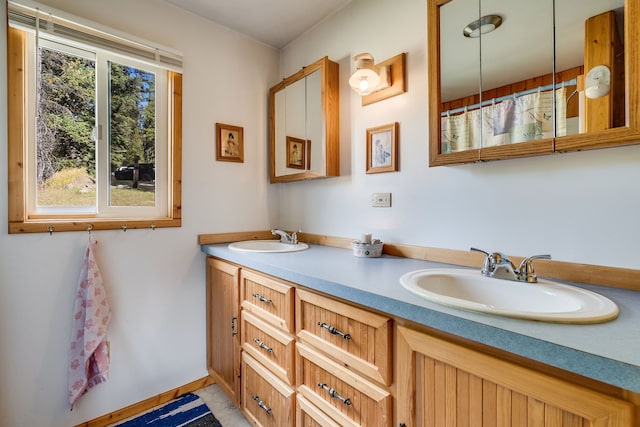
x,y
188,410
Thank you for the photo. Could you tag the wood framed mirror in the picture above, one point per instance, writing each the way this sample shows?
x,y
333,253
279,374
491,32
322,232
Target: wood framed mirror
x,y
521,90
304,124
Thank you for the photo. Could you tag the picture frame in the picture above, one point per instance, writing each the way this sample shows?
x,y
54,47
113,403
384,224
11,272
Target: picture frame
x,y
382,148
229,143
297,151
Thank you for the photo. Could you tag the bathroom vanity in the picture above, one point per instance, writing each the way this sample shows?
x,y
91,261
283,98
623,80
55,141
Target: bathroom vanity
x,y
320,337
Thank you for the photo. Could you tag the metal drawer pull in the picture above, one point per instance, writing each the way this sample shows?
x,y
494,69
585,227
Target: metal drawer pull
x,y
333,393
262,299
261,404
262,345
334,331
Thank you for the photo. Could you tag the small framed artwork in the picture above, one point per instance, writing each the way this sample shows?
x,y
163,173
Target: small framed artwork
x,y
382,148
230,143
298,153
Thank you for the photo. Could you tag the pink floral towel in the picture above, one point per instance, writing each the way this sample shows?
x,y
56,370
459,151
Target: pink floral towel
x,y
89,353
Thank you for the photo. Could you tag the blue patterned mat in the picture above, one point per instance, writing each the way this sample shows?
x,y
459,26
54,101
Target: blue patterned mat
x,y
188,410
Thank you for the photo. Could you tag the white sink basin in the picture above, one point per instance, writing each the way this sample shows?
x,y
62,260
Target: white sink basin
x,y
266,246
545,301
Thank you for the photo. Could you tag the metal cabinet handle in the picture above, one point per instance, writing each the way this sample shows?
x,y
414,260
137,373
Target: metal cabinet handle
x,y
334,330
262,345
262,299
333,393
234,326
261,404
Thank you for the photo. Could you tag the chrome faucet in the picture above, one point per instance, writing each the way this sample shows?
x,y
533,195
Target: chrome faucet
x,y
498,265
285,237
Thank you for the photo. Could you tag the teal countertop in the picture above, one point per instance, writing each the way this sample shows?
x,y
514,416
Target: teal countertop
x,y
607,352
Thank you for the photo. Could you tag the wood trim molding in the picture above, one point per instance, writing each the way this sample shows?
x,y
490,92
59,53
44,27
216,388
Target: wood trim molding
x,y
16,122
210,239
146,404
613,277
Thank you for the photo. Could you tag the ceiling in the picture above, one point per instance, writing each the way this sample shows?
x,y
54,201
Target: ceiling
x,y
274,22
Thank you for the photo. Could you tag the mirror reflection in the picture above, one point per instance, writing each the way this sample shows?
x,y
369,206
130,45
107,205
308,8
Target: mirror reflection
x,y
523,81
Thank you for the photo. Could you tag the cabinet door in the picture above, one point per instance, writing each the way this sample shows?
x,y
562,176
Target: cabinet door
x,y
266,400
442,384
223,343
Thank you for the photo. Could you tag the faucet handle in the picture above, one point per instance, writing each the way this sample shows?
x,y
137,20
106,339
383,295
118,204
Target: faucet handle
x,y
497,264
489,263
525,271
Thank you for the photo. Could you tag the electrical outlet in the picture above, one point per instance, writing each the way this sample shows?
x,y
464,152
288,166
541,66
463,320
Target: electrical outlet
x,y
381,200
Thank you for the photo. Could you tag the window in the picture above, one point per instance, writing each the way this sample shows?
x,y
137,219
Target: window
x,y
94,134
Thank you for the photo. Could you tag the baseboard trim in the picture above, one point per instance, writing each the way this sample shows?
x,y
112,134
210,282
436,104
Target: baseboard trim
x,y
146,404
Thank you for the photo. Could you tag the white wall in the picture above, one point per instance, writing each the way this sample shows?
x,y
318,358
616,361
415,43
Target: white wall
x,y
155,280
579,207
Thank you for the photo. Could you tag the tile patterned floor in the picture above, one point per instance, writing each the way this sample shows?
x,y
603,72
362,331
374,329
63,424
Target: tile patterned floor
x,y
225,411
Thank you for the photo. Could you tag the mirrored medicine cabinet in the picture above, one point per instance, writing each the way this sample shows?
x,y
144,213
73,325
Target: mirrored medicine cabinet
x,y
304,124
548,76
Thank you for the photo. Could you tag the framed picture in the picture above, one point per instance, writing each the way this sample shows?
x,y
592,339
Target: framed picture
x,y
382,148
298,153
230,143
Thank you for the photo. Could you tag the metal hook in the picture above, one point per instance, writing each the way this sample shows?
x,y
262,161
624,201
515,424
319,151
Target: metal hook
x,y
89,228
124,227
153,226
50,230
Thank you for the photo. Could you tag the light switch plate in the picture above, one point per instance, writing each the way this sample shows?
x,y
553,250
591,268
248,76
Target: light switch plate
x,y
381,200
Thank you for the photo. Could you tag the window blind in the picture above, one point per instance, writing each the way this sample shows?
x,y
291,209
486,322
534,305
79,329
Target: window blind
x,y
51,23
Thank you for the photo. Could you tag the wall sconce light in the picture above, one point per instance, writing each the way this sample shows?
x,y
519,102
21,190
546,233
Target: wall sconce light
x,y
375,82
598,82
366,78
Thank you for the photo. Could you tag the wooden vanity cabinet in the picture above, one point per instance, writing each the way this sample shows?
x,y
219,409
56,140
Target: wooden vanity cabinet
x,y
298,369
223,326
268,344
357,338
346,397
440,383
268,298
308,415
344,361
267,401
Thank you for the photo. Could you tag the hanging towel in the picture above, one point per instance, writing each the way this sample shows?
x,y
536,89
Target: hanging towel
x,y
89,353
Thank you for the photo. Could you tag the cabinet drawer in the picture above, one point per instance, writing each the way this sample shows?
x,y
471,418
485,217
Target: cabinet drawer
x,y
308,415
268,298
355,337
340,393
266,400
269,345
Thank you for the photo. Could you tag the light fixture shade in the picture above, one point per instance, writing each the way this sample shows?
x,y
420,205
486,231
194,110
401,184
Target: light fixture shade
x,y
598,82
365,78
484,25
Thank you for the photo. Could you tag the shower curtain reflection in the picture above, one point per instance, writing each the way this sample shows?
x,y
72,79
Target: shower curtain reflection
x,y
518,119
